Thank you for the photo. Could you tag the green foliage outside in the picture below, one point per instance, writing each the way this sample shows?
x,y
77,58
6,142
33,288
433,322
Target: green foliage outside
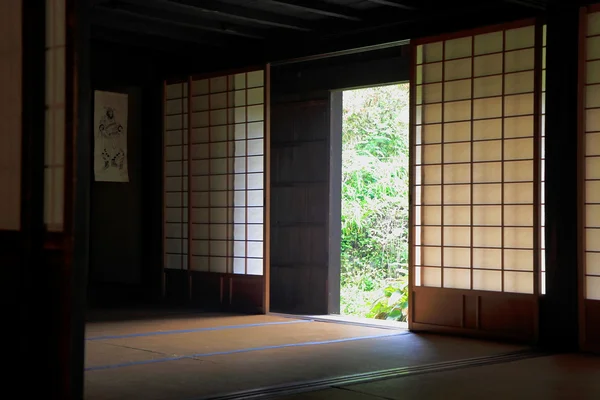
x,y
374,255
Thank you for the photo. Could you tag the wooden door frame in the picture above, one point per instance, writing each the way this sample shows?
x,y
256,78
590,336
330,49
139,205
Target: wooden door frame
x,y
334,219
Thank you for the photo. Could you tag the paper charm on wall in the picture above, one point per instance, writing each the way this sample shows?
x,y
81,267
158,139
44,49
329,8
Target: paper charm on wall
x,y
110,137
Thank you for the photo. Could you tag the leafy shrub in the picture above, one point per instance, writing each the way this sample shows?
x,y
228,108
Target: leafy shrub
x,y
375,202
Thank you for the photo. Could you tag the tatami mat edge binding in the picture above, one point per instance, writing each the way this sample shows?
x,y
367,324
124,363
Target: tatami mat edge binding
x,y
309,386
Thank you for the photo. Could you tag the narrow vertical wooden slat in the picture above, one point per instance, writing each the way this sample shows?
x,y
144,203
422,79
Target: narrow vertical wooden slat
x,y
230,186
443,202
537,163
503,97
581,176
164,193
411,182
182,193
471,222
267,191
246,178
209,174
190,223
422,183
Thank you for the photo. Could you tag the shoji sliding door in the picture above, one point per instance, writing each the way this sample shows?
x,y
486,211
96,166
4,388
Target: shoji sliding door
x,y
590,141
54,168
476,177
215,189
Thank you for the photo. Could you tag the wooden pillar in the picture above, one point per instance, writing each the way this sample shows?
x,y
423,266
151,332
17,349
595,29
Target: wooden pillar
x,y
334,266
78,23
559,307
25,281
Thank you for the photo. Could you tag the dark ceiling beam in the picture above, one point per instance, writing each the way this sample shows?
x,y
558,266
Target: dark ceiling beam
x,y
185,16
313,7
531,4
141,41
130,22
281,49
392,3
228,12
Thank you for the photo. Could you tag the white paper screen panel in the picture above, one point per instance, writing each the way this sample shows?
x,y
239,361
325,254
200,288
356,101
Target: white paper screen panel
x,y
54,159
226,172
592,160
476,182
176,182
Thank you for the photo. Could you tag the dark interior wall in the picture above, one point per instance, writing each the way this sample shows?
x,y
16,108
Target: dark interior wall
x,y
305,178
116,214
125,218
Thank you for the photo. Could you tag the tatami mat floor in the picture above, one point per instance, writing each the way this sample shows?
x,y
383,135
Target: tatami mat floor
x,y
186,356
568,377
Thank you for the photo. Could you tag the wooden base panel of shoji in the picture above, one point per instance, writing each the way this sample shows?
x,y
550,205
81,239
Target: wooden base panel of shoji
x,y
474,313
214,292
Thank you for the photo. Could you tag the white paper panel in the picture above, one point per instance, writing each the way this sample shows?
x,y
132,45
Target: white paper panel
x,y
518,237
457,215
521,260
518,282
487,215
519,38
487,237
457,278
592,288
488,43
200,264
255,249
593,24
487,86
593,48
239,265
456,257
519,60
487,259
431,277
457,132
431,256
592,261
487,280
487,65
488,129
457,69
255,266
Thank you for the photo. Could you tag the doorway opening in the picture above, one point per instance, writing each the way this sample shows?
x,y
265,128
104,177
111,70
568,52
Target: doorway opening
x,y
375,203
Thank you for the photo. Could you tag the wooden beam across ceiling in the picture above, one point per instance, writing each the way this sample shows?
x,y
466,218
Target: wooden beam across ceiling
x,y
394,3
186,16
538,5
422,24
119,20
225,11
319,8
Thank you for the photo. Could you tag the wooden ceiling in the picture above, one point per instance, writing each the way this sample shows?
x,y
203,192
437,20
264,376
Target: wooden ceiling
x,y
280,29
